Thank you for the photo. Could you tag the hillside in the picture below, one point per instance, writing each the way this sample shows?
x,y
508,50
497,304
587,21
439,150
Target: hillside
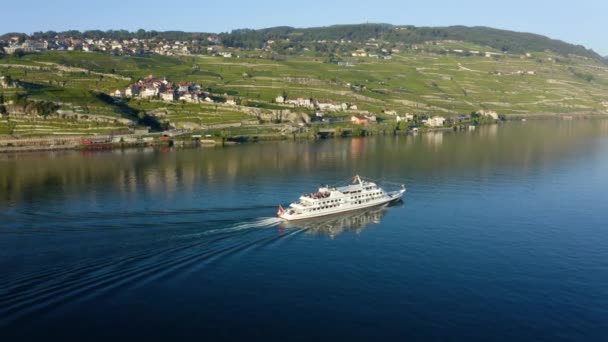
x,y
503,40
443,77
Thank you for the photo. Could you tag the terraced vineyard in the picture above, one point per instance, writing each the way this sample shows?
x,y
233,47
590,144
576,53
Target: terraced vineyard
x,y
413,81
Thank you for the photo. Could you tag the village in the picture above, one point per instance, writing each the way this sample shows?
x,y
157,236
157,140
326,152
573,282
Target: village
x,y
321,111
212,45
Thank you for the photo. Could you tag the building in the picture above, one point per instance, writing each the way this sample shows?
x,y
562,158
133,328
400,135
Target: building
x,y
279,99
230,100
330,106
300,102
490,113
4,83
183,87
168,95
189,97
27,46
359,120
435,121
149,92
131,91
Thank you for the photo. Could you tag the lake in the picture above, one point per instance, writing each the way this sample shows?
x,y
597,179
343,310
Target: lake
x,y
502,235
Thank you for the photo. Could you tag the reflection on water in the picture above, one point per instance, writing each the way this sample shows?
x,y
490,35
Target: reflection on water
x,y
334,225
505,224
34,177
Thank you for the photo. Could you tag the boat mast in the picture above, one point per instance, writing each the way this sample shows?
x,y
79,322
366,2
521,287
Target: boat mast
x,y
358,179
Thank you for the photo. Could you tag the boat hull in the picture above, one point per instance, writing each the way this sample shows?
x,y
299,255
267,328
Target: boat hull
x,y
392,198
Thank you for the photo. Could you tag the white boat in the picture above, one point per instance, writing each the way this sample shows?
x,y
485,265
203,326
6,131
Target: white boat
x,y
333,200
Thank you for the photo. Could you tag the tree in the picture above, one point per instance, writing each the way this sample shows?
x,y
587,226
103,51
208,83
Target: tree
x,y
19,53
11,126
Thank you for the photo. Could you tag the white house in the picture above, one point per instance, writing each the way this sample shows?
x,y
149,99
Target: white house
x,y
490,113
329,106
167,96
300,102
435,121
148,92
406,117
279,99
3,82
131,91
190,98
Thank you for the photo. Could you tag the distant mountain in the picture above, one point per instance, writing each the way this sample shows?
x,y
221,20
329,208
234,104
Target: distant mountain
x,y
509,41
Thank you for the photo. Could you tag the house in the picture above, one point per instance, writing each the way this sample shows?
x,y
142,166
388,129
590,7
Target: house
x,y
27,46
300,102
435,121
279,99
463,118
359,120
390,112
406,117
148,92
131,91
490,113
183,87
119,93
330,106
230,100
4,82
353,107
214,39
168,95
188,97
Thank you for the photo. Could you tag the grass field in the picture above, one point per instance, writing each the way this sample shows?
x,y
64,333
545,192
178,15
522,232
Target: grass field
x,y
412,81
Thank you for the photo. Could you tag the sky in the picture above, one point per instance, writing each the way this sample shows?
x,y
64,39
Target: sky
x,y
581,22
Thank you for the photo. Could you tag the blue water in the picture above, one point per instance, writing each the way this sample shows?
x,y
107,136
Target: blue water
x,y
502,235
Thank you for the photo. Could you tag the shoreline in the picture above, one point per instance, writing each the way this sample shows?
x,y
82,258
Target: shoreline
x,y
66,143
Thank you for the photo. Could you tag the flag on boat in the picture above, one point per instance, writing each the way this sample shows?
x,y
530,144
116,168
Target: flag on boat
x,y
281,211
